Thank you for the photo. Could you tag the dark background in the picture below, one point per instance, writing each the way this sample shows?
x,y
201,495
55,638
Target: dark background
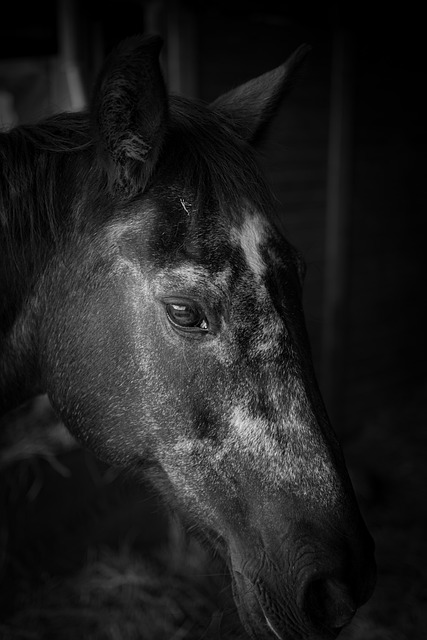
x,y
347,161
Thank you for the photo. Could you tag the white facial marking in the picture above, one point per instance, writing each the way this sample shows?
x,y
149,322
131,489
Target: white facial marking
x,y
281,449
250,237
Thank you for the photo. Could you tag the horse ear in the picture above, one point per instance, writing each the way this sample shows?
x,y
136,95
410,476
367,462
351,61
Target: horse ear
x,y
250,107
129,112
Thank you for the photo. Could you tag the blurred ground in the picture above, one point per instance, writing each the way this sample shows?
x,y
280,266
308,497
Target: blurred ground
x,y
85,554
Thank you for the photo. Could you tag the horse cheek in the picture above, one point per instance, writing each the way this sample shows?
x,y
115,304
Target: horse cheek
x,y
93,377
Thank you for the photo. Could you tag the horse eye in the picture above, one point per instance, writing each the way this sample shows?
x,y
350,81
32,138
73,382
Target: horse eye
x,y
187,316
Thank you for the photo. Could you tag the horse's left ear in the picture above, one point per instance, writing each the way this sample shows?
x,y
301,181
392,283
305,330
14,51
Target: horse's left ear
x,y
250,107
129,112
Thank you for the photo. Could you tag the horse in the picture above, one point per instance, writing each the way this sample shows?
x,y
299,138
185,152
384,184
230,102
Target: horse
x,y
146,288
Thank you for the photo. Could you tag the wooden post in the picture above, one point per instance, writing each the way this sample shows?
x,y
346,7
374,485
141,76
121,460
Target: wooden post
x,y
339,187
176,22
68,55
181,49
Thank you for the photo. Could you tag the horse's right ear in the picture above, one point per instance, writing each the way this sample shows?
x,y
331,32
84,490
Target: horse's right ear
x,y
129,112
250,107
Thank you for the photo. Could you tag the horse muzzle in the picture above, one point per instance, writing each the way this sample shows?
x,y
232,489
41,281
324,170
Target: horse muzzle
x,y
310,593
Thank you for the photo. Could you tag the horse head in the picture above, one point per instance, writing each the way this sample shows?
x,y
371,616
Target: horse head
x,y
174,343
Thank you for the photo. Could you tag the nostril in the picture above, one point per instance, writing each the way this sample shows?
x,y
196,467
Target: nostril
x,y
328,603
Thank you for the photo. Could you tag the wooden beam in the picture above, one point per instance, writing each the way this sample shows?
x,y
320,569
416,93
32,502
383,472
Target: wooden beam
x,y
176,22
181,49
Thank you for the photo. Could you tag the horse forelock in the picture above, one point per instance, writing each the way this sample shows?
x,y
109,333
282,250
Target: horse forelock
x,y
214,166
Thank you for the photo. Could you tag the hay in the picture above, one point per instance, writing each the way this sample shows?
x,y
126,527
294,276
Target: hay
x,y
139,591
122,596
33,431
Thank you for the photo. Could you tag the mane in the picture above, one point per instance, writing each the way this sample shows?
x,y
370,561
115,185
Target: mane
x,y
31,158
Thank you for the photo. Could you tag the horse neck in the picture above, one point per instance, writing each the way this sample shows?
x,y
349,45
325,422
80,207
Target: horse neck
x,y
36,196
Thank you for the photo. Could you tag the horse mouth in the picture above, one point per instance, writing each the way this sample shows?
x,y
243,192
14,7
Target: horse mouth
x,y
265,616
254,615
